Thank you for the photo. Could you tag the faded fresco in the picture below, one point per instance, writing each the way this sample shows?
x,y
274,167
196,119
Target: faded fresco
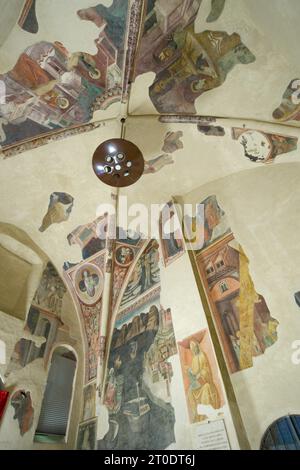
x,y
49,295
185,119
200,376
263,147
86,283
145,276
24,412
86,438
137,393
42,323
129,237
59,210
124,256
89,283
171,144
289,108
186,63
209,224
51,88
242,318
46,139
43,326
171,240
89,401
91,238
126,250
216,131
157,163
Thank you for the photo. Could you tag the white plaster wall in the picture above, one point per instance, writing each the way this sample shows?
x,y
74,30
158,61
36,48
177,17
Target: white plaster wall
x,y
10,12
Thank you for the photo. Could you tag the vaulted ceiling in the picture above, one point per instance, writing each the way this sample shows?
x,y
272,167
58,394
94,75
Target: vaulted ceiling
x,y
190,77
66,64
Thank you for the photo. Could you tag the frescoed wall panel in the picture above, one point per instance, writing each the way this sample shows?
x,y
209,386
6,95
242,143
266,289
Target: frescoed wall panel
x,y
42,323
137,389
91,238
86,281
124,256
242,318
200,376
51,88
187,64
145,277
137,393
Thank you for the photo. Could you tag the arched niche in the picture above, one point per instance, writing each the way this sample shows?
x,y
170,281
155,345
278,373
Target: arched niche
x,y
21,267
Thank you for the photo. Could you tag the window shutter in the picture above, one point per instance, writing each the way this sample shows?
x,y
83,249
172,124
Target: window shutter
x,y
57,397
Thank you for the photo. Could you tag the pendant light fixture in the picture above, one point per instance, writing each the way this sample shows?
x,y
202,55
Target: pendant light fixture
x,y
118,163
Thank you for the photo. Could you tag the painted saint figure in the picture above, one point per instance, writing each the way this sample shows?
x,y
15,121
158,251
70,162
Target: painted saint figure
x,y
202,389
114,389
88,283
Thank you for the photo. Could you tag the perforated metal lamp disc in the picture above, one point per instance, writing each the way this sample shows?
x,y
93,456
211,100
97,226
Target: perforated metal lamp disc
x,y
118,163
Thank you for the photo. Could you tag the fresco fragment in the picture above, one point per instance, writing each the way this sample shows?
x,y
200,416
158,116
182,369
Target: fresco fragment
x,y
24,412
263,147
289,108
200,375
171,238
186,64
51,88
59,210
137,369
241,316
